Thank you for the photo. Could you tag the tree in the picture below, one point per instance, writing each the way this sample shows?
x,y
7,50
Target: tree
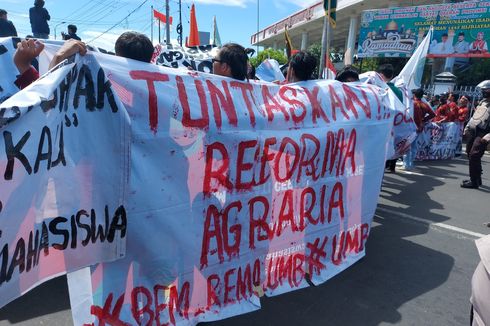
x,y
268,54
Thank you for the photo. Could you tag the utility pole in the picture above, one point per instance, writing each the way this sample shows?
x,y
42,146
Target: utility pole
x,y
151,18
179,27
258,24
167,12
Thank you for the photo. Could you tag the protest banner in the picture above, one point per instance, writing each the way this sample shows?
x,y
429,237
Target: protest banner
x,y
237,189
8,71
405,130
64,158
439,141
460,30
175,56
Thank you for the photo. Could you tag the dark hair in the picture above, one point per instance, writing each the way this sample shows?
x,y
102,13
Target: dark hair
x,y
461,34
3,12
444,35
72,28
303,64
235,56
386,70
418,93
39,3
134,45
346,73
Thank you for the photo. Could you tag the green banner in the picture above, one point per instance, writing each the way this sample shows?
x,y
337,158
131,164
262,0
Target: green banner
x,y
460,30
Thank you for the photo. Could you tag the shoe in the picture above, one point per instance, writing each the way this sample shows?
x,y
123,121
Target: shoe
x,y
469,184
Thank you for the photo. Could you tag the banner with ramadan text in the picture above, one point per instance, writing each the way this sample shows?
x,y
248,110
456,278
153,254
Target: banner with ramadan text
x,y
64,162
237,190
461,30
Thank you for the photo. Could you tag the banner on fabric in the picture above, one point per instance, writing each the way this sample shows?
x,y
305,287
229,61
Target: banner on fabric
x,y
175,56
461,29
8,70
238,189
64,168
404,128
439,141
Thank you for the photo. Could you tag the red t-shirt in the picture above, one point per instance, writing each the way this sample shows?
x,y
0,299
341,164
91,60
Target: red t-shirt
x,y
463,114
421,114
28,77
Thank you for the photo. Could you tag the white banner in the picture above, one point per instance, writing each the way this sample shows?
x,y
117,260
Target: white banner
x,y
175,56
238,190
439,141
64,154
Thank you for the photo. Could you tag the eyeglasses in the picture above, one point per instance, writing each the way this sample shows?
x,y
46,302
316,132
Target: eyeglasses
x,y
216,60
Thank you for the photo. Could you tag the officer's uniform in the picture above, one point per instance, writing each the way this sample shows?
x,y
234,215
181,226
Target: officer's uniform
x,y
475,148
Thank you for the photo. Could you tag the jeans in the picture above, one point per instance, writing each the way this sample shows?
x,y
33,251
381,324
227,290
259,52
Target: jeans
x,y
410,156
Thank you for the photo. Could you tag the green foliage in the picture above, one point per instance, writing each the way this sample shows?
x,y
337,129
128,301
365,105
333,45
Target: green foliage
x,y
266,54
316,50
478,71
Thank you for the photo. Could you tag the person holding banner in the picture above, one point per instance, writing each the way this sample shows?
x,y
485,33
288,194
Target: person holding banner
x,y
301,67
231,61
478,131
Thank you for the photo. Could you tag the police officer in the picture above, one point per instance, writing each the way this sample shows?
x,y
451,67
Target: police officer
x,y
478,131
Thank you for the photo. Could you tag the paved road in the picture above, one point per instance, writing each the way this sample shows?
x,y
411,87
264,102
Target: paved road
x,y
417,270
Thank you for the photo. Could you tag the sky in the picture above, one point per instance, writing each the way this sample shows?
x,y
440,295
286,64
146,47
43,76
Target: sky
x,y
236,19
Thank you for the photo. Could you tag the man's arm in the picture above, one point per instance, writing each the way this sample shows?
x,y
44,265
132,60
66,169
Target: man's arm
x,y
26,51
48,17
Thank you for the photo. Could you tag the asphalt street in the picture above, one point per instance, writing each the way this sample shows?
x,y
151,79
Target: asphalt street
x,y
417,271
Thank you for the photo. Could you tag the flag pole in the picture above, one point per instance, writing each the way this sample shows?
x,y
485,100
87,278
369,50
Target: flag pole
x,y
327,52
167,11
325,40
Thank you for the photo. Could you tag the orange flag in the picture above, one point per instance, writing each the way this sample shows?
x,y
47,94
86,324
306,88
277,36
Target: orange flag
x,y
193,39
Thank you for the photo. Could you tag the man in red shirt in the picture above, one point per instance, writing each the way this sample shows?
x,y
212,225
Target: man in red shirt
x,y
422,112
446,112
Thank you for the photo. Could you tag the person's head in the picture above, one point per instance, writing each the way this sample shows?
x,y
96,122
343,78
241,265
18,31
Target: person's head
x,y
231,61
3,14
347,74
463,101
461,36
443,98
72,29
484,86
444,37
434,101
479,36
453,97
386,71
418,93
301,67
134,45
39,3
